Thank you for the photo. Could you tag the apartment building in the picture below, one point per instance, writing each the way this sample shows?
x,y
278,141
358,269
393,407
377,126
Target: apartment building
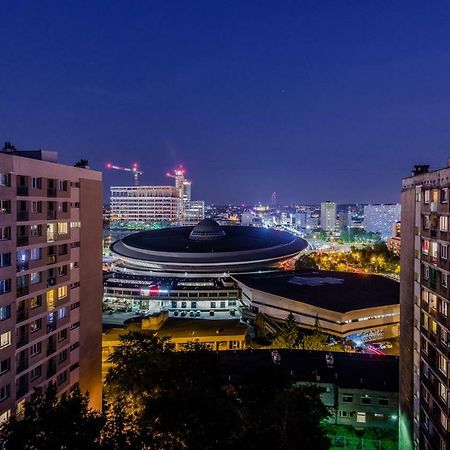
x,y
328,216
50,277
424,304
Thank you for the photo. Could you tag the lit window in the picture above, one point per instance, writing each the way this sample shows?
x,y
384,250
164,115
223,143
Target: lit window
x,y
35,325
62,313
35,277
62,292
425,247
442,364
427,196
361,417
5,339
62,228
443,391
50,300
444,421
443,223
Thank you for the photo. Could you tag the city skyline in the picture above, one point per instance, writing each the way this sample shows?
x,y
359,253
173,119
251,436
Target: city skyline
x,y
252,100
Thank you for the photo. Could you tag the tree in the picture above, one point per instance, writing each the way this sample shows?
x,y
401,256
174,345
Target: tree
x,y
83,163
278,414
49,423
306,262
288,336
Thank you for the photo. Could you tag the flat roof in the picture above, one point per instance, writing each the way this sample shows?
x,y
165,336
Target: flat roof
x,y
336,291
179,328
349,370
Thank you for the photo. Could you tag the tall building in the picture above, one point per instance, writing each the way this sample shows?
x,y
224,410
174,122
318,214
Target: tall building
x,y
50,277
424,301
149,204
146,204
345,220
380,218
328,216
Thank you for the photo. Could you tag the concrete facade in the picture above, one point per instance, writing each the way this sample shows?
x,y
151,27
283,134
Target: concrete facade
x,y
50,278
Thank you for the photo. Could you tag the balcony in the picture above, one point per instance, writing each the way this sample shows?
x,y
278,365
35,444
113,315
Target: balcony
x,y
51,259
51,192
22,216
51,327
22,190
51,370
22,290
22,241
22,340
51,348
51,214
21,266
22,314
22,364
51,281
21,391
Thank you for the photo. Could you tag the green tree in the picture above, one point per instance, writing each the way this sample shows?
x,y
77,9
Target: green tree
x,y
288,335
306,262
52,423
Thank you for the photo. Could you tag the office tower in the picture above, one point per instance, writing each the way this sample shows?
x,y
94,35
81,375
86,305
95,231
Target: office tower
x,y
328,216
50,277
146,204
345,220
380,218
424,298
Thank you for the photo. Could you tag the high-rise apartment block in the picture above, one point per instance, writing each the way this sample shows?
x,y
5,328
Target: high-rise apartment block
x,y
328,216
424,309
50,277
380,218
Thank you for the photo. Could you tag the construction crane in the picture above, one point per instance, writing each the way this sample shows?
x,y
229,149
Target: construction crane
x,y
134,169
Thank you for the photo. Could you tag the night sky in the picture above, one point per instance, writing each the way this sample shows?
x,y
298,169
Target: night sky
x,y
313,99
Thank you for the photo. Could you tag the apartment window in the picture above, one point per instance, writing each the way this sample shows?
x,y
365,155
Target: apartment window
x,y
36,302
62,313
347,398
5,207
443,223
213,305
62,185
444,251
425,247
426,222
36,230
426,272
443,308
62,335
36,373
425,346
35,349
427,196
62,377
444,421
442,364
5,286
36,183
193,305
36,325
5,233
5,259
444,337
183,304
443,391
5,365
173,305
62,292
4,392
35,254
50,300
443,279
5,312
62,356
366,399
383,401
444,195
361,417
5,179
35,277
62,228
36,207
5,339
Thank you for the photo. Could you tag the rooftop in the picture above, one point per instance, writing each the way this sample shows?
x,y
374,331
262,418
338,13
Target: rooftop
x,y
349,370
336,291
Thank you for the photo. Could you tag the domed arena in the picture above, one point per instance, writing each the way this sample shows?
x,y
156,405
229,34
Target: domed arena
x,y
186,270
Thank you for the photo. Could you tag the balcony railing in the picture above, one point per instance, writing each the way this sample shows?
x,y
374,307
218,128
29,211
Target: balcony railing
x,y
22,240
51,281
51,214
22,215
21,266
23,290
22,340
51,327
51,192
22,314
22,190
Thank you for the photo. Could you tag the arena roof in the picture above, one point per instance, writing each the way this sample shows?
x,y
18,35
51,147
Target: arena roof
x,y
336,291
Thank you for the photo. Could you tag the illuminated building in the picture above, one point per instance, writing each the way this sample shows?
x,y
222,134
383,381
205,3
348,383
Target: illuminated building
x,y
424,299
186,270
50,277
380,218
156,204
394,242
357,306
328,216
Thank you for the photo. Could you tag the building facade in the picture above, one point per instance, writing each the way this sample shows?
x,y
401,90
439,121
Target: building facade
x,y
50,277
328,216
424,298
380,218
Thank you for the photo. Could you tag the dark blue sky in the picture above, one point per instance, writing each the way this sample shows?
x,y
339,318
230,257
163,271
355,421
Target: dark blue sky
x,y
313,99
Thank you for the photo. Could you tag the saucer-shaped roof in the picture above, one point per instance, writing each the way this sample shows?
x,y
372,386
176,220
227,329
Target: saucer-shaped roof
x,y
207,230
